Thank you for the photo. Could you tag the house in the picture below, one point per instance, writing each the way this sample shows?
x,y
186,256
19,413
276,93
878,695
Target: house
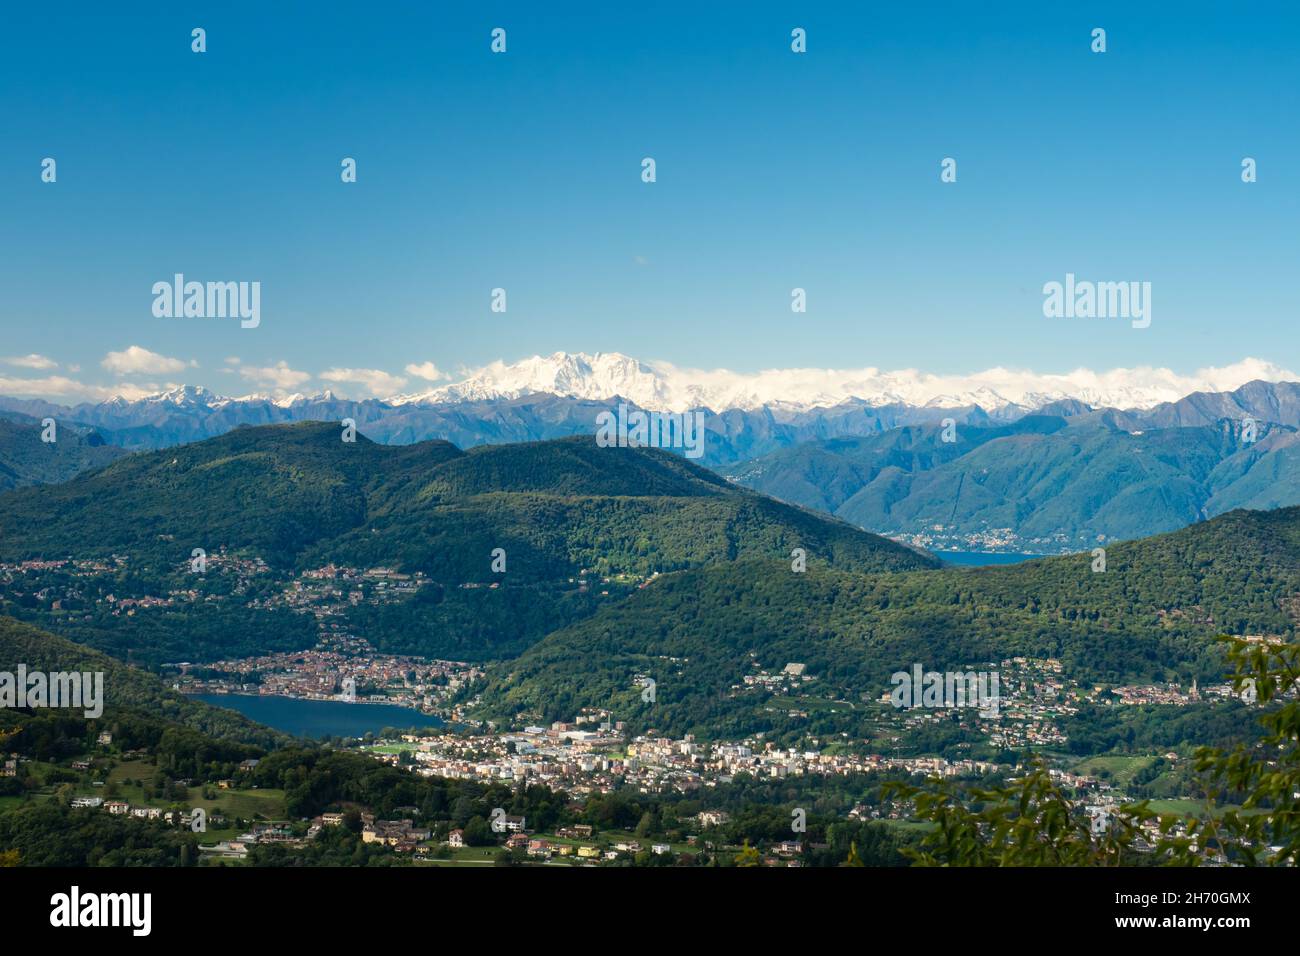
x,y
514,824
104,739
517,840
659,849
539,848
117,807
249,765
589,852
92,802
225,784
456,838
331,819
226,849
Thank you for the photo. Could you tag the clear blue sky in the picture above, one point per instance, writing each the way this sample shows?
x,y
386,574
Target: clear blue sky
x,y
775,170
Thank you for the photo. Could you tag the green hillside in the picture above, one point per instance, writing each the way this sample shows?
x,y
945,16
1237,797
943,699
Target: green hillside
x,y
1152,615
298,498
1051,483
126,689
27,460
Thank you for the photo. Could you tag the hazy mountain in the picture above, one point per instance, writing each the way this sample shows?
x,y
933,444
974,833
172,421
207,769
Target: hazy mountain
x,y
1042,483
27,460
745,416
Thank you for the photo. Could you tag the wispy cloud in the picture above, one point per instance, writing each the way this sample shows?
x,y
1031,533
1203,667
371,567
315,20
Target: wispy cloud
x,y
277,376
140,361
426,370
33,361
62,388
377,383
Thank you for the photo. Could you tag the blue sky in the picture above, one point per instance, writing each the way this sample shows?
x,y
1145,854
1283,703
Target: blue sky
x,y
522,171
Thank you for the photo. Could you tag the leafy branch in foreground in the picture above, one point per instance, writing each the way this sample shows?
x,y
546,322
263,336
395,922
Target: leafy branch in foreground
x,y
1032,822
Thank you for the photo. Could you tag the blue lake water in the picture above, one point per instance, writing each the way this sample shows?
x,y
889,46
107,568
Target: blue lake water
x,y
321,718
975,558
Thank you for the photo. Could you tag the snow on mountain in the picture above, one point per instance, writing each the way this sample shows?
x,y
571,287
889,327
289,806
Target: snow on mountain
x,y
660,385
602,376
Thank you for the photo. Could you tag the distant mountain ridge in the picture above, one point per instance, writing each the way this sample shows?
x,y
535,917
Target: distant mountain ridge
x,y
1041,484
27,459
563,395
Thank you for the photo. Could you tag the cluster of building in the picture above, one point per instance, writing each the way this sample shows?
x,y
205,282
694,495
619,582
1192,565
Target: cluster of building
x,y
330,590
320,674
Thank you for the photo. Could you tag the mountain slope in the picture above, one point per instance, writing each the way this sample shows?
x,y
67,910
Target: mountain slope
x,y
1041,483
298,498
27,460
125,688
1152,614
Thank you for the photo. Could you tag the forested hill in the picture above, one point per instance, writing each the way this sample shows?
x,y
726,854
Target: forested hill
x,y
267,504
1049,484
26,459
1152,614
126,689
298,494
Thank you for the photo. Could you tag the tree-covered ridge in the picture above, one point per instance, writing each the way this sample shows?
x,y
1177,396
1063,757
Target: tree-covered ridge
x,y
1151,615
126,688
25,459
1052,482
298,495
300,498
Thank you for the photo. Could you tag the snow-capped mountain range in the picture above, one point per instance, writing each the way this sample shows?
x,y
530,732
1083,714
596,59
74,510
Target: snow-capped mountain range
x,y
665,387
749,414
662,386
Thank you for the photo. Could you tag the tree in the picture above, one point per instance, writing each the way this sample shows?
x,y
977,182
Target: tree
x,y
1031,822
748,856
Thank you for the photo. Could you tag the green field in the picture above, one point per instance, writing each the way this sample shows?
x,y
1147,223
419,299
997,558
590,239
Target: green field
x,y
1119,768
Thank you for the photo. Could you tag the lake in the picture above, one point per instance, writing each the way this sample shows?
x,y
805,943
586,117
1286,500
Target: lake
x,y
985,557
321,718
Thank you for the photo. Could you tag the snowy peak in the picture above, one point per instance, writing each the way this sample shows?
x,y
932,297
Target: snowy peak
x,y
574,375
662,386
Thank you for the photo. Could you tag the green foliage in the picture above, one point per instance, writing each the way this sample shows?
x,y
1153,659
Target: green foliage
x,y
298,497
1151,616
27,460
125,688
1054,480
1033,822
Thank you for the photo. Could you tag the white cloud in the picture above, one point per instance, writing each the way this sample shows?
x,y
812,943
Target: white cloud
x,y
425,370
277,376
139,361
33,361
60,387
378,383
